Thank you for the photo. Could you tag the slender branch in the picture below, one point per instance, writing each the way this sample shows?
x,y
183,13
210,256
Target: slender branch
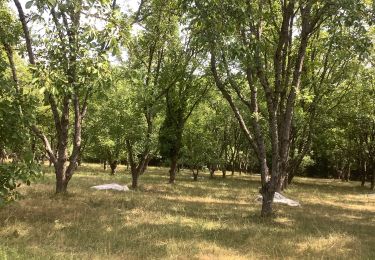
x,y
47,145
26,32
200,97
9,52
233,84
228,97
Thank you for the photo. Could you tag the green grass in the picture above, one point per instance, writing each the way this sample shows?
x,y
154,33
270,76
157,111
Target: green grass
x,y
208,219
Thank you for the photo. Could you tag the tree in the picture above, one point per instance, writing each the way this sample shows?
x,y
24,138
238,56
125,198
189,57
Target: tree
x,y
149,71
69,65
331,65
181,100
107,126
15,112
210,135
263,45
345,140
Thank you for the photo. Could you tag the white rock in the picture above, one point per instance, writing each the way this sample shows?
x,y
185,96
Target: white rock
x,y
111,186
281,199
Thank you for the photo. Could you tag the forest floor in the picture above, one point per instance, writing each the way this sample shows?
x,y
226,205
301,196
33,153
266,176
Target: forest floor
x,y
207,219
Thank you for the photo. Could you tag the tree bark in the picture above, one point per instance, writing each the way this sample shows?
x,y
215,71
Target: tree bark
x,y
145,164
26,32
212,171
195,174
135,177
363,172
61,180
135,168
281,184
113,166
347,171
172,170
9,52
267,200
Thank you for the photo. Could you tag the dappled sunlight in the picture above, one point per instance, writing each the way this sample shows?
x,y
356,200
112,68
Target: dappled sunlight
x,y
204,200
199,220
214,251
18,229
284,221
344,205
335,245
138,218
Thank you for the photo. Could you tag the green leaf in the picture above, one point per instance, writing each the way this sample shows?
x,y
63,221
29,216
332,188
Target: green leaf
x,y
52,2
29,4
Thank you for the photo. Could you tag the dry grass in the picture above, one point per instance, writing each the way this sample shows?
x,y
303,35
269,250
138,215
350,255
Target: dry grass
x,y
208,219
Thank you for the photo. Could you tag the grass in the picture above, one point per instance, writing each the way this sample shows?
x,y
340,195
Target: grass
x,y
208,219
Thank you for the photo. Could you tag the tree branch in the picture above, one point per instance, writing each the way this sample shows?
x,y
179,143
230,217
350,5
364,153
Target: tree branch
x,y
26,32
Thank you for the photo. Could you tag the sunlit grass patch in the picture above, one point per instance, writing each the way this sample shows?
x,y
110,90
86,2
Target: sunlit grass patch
x,y
335,245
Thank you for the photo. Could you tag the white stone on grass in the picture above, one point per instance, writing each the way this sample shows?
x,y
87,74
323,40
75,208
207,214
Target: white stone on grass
x,y
111,186
281,199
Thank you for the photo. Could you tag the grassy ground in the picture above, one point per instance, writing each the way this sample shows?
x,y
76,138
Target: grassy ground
x,y
208,219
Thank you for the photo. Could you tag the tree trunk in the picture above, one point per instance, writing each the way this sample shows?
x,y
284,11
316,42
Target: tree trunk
x,y
349,172
212,172
281,183
232,163
135,176
195,175
61,181
245,168
224,173
267,200
172,170
285,182
59,184
25,31
145,165
79,161
373,178
105,165
135,168
113,166
363,173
